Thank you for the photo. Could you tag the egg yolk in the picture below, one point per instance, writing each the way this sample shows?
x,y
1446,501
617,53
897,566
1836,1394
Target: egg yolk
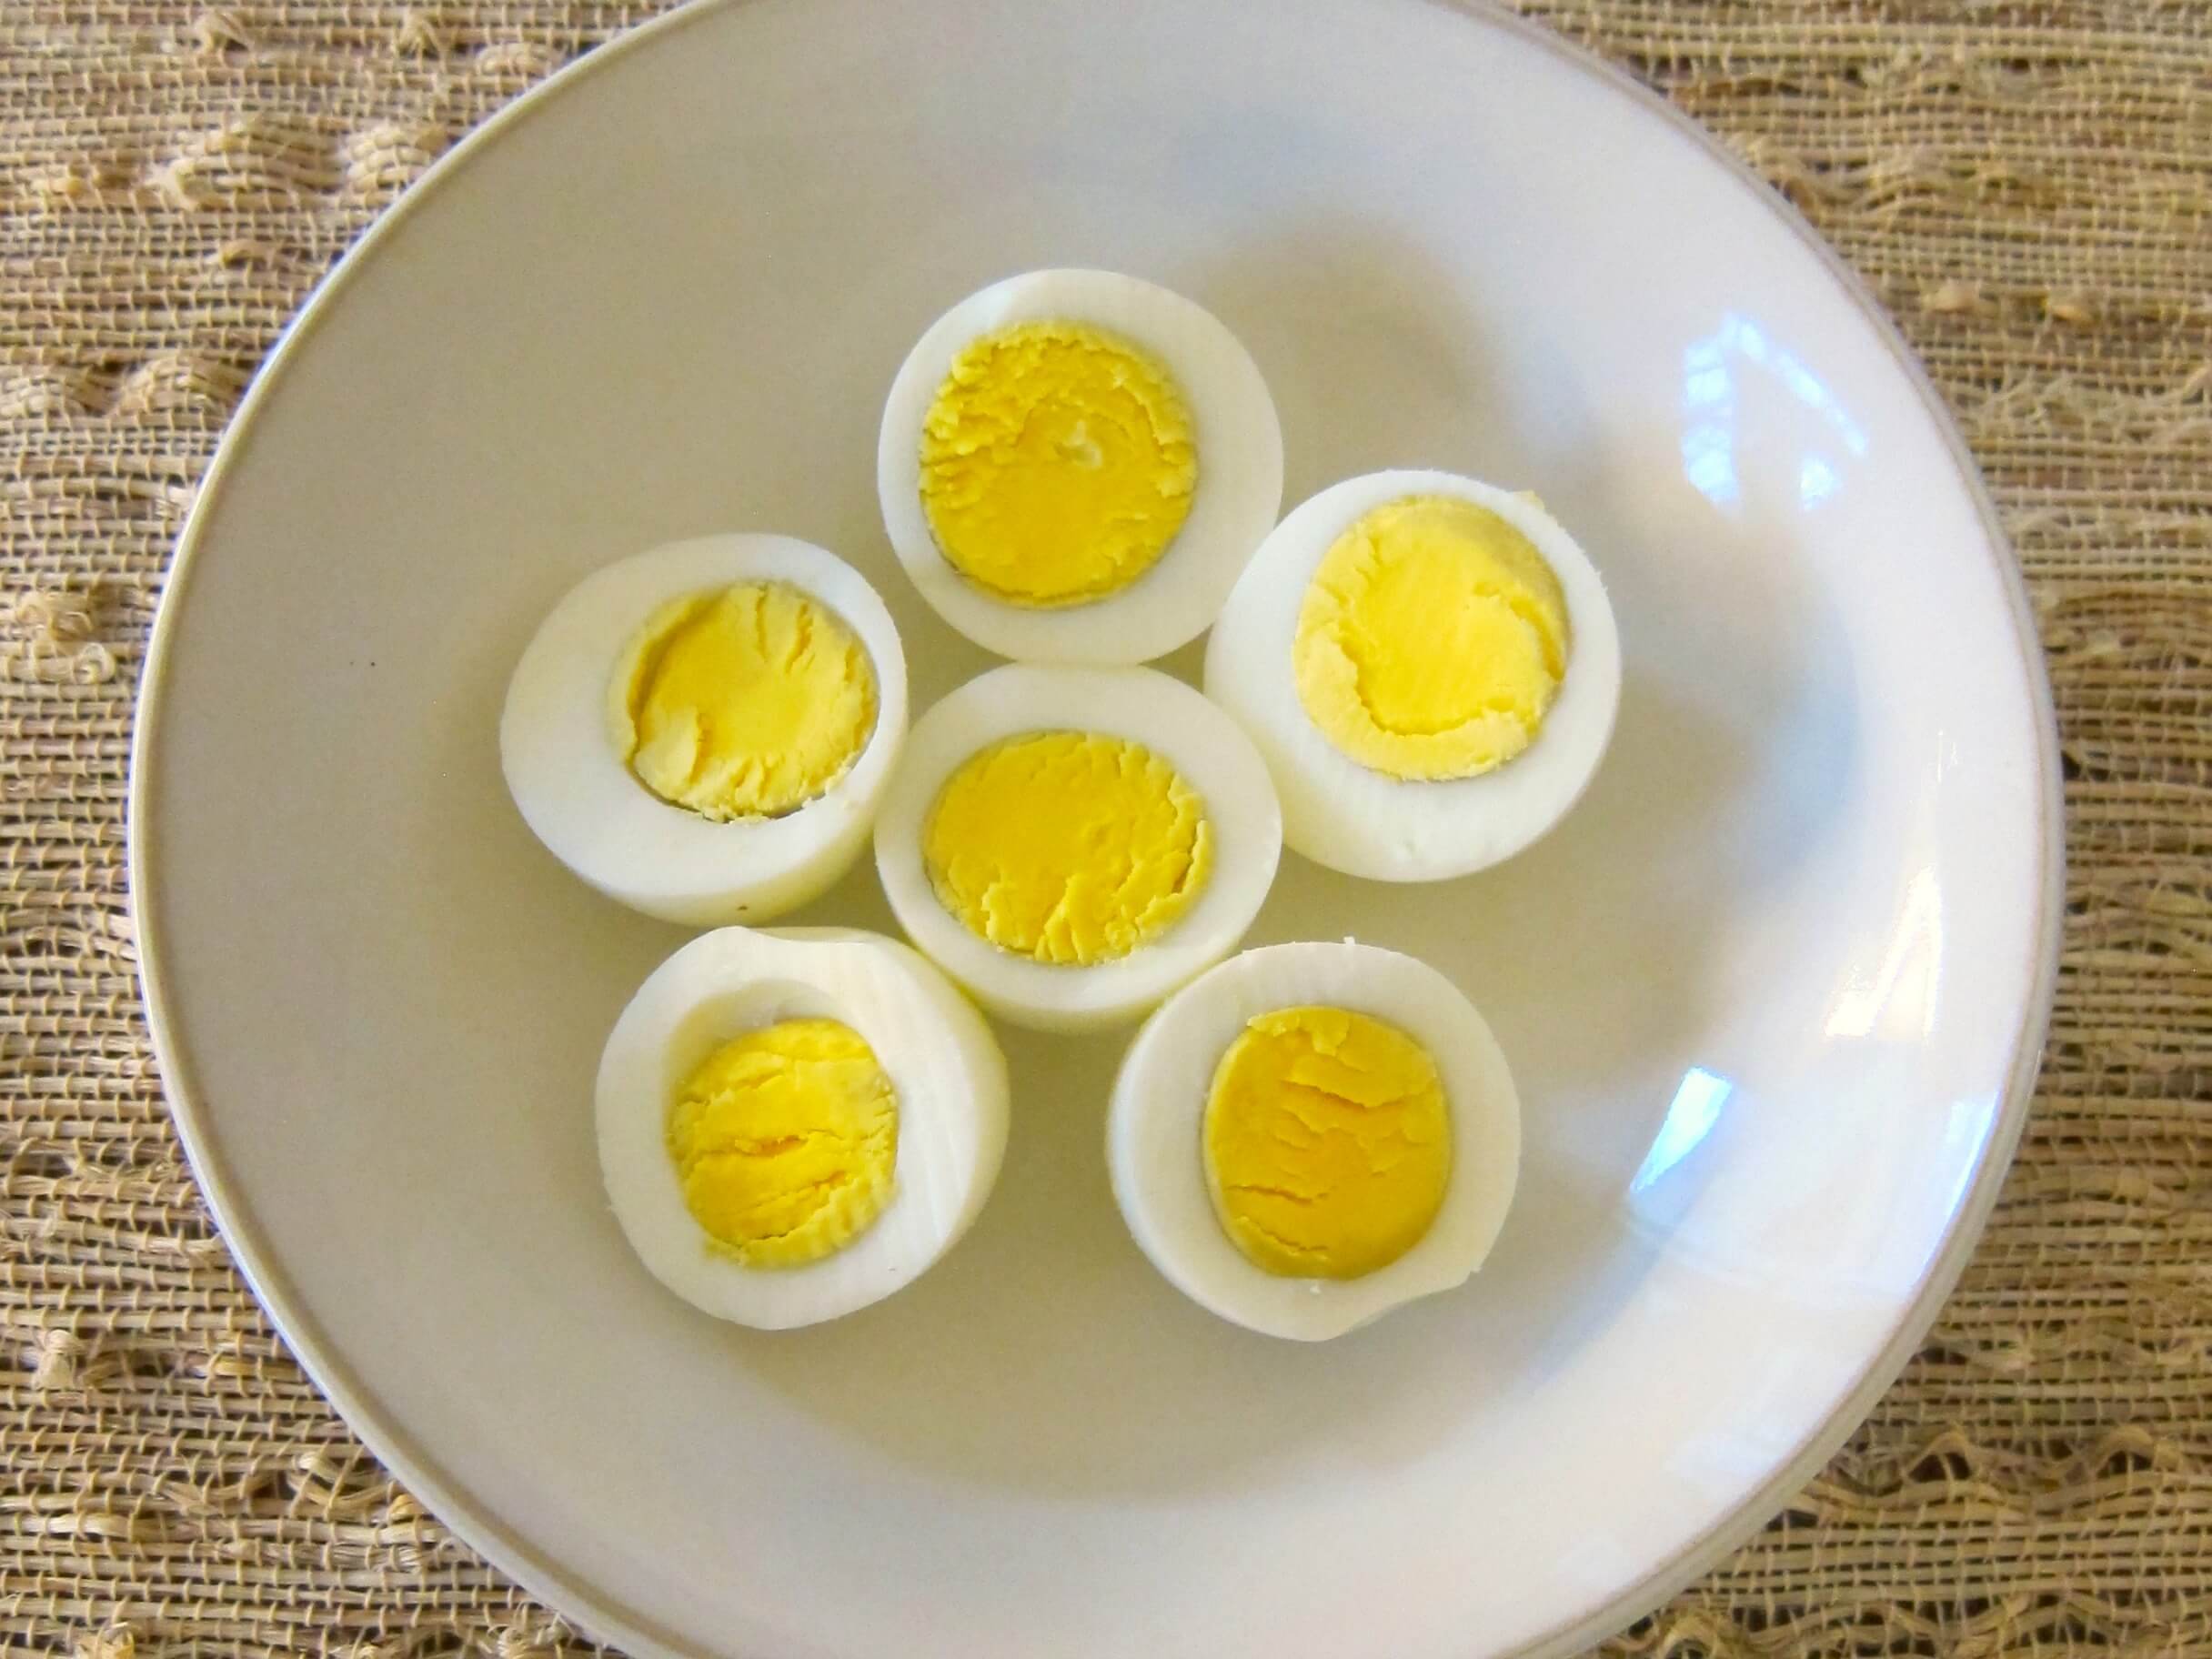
x,y
1067,847
783,1141
1431,640
1328,1143
745,702
1057,464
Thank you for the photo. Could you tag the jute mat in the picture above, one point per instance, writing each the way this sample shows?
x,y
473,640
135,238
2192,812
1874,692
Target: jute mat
x,y
2028,185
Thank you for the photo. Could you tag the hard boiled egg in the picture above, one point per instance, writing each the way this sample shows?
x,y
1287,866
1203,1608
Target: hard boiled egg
x,y
703,732
793,1124
1073,844
1429,666
1075,465
1310,1135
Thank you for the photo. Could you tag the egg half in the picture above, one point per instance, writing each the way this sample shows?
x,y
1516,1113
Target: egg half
x,y
795,1124
703,732
1073,844
1429,666
1309,1135
1074,466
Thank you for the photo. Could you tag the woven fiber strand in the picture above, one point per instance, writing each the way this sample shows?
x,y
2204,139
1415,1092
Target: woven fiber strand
x,y
2027,187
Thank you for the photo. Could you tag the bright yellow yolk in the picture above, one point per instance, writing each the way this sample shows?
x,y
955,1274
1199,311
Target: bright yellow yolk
x,y
746,702
784,1140
1432,641
1057,464
1067,846
1328,1144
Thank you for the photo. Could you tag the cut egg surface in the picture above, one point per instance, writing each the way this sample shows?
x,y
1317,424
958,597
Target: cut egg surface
x,y
1073,844
703,732
795,1124
1075,465
1429,666
1309,1135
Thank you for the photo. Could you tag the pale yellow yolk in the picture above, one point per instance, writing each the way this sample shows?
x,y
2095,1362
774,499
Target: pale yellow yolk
x,y
1067,847
1328,1144
1057,464
746,702
1432,641
783,1141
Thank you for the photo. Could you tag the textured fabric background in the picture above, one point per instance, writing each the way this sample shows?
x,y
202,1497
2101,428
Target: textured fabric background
x,y
2028,185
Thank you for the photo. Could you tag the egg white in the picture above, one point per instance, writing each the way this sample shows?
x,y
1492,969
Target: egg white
x,y
1155,1128
1142,706
1239,443
590,810
942,1060
1363,822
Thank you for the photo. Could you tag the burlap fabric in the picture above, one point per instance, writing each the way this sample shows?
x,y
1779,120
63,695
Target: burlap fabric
x,y
2028,184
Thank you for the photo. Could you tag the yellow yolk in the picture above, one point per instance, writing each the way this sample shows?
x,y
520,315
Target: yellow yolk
x,y
1432,641
1057,464
783,1141
1328,1144
746,702
1067,847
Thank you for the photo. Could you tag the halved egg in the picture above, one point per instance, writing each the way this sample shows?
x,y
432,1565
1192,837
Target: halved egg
x,y
1429,666
1310,1135
795,1124
703,730
1074,466
1073,844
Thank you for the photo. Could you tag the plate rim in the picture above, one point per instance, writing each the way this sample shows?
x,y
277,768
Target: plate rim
x,y
601,1614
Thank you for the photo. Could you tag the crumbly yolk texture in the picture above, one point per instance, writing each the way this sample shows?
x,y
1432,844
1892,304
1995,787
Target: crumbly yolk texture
x,y
783,1141
745,702
1328,1143
1431,640
1067,847
1057,464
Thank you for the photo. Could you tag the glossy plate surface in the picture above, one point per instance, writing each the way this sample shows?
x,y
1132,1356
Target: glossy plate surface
x,y
1771,993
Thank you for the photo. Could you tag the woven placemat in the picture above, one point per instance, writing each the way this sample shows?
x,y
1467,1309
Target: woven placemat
x,y
2028,184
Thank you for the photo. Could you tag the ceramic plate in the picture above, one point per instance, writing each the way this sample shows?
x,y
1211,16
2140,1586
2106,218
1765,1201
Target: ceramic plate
x,y
1773,992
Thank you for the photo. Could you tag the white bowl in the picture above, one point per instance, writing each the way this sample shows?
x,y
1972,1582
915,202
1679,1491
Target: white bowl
x,y
1772,993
